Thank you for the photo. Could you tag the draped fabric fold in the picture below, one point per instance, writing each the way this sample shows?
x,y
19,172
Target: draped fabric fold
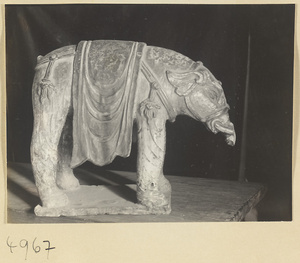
x,y
104,89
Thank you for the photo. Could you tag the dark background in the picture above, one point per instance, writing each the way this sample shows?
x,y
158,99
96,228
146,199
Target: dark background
x,y
250,48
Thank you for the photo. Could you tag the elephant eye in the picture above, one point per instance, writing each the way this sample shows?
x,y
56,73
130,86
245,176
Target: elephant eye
x,y
213,94
200,77
206,76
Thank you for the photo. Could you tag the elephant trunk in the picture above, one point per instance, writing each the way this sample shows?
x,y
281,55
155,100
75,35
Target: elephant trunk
x,y
223,124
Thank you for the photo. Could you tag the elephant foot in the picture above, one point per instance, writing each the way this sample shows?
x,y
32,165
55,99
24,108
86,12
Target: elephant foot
x,y
165,187
53,197
158,199
155,201
67,181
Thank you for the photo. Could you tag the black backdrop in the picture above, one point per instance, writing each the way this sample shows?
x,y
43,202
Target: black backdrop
x,y
250,48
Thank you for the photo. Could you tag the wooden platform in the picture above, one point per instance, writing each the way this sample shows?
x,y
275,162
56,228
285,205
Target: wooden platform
x,y
193,199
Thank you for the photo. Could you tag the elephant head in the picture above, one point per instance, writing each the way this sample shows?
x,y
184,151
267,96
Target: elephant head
x,y
204,99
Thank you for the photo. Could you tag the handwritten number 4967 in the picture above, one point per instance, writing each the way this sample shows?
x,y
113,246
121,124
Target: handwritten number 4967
x,y
25,244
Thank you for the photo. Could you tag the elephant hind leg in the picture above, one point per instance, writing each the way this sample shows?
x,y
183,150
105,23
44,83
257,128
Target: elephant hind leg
x,y
51,98
44,156
65,178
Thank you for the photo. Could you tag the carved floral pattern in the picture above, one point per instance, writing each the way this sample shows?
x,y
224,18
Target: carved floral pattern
x,y
169,57
107,60
149,109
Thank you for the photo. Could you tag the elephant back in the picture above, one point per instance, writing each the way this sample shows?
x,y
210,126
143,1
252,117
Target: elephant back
x,y
106,62
165,59
57,53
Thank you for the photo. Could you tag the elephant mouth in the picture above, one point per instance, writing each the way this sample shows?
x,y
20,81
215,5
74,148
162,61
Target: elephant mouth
x,y
226,128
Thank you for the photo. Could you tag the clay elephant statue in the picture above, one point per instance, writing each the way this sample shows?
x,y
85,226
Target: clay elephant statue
x,y
86,99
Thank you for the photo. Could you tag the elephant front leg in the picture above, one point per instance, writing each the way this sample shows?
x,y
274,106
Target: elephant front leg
x,y
153,189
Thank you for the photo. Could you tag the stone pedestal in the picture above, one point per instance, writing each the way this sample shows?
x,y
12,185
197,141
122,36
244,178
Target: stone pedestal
x,y
194,199
100,200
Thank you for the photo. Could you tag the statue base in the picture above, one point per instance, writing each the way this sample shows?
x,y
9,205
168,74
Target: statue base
x,y
101,200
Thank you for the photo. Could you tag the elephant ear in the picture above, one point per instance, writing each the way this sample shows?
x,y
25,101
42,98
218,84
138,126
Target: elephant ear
x,y
184,83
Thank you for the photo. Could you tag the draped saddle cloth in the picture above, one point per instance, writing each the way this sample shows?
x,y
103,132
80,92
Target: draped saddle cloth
x,y
104,89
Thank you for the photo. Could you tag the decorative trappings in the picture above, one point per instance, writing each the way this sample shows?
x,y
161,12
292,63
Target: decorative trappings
x,y
46,87
149,109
